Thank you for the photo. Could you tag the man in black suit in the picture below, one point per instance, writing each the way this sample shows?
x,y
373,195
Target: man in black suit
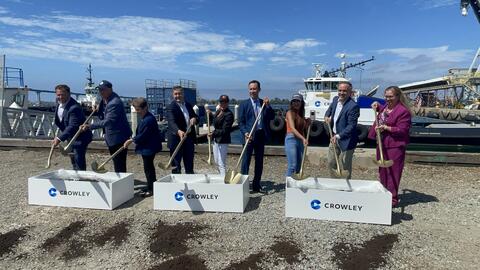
x,y
180,117
68,118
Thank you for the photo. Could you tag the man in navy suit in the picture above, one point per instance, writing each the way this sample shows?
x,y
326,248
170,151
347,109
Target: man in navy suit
x,y
342,115
113,120
248,112
180,116
68,118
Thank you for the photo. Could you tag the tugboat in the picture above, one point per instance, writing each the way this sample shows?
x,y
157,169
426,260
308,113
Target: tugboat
x,y
91,93
319,93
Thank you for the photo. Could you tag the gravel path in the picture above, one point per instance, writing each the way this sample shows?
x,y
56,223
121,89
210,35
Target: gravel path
x,y
437,227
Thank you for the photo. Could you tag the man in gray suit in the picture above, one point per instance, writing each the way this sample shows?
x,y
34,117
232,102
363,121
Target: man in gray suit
x,y
113,120
342,116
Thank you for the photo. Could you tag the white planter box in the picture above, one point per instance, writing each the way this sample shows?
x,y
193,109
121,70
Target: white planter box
x,y
200,192
59,188
329,199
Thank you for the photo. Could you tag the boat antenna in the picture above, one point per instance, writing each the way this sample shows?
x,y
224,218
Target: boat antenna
x,y
345,66
89,78
317,67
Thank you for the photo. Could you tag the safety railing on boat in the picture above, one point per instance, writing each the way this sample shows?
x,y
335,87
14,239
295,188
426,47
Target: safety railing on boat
x,y
25,123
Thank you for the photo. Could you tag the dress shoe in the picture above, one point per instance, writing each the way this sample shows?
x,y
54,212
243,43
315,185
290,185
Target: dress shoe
x,y
146,193
260,190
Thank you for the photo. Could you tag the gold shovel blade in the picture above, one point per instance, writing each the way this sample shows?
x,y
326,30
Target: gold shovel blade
x,y
98,169
299,176
166,166
341,173
232,177
385,163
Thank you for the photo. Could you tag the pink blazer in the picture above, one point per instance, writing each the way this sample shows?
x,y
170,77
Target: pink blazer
x,y
400,120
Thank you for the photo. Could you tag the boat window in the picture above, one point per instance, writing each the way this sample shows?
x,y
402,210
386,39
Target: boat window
x,y
19,99
327,86
309,86
318,86
334,85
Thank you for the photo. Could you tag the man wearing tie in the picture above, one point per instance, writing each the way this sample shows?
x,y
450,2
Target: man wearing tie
x,y
180,116
68,118
248,112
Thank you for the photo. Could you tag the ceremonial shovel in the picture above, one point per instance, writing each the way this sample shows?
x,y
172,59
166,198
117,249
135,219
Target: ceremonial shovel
x,y
299,176
101,168
339,171
233,176
382,162
66,150
209,161
169,166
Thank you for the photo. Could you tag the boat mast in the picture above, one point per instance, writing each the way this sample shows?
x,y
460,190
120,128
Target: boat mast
x,y
89,78
343,68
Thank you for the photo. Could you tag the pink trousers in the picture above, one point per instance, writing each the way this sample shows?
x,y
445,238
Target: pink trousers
x,y
390,177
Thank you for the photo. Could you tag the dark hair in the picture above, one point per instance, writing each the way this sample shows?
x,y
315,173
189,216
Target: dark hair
x,y
177,88
301,111
224,97
63,87
350,87
257,82
139,102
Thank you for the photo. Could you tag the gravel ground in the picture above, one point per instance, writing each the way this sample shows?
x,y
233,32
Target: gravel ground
x,y
436,227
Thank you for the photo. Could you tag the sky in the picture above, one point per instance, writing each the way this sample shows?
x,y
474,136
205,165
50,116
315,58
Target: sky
x,y
223,44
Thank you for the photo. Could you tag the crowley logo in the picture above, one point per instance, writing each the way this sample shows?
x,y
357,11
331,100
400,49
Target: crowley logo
x,y
317,103
179,196
315,204
53,192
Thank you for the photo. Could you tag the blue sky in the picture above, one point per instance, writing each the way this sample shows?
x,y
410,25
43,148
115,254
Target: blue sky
x,y
224,44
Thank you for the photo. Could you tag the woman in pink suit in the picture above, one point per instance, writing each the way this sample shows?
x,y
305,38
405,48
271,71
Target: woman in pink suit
x,y
394,122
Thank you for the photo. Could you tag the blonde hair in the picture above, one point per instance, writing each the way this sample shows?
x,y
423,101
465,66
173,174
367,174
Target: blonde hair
x,y
403,99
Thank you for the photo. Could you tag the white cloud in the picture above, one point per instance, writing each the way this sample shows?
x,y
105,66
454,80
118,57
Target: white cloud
x,y
254,59
3,10
287,61
30,33
429,4
136,42
223,61
436,54
299,44
413,64
265,46
349,55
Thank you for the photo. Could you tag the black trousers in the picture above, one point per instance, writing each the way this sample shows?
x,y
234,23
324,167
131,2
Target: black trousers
x,y
120,161
257,146
78,158
149,169
186,152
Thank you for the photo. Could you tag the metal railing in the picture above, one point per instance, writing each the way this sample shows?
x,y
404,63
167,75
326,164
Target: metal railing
x,y
24,123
